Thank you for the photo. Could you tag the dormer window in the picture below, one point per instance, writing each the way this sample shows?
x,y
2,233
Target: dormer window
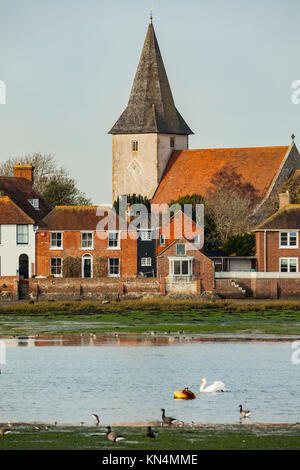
x,y
135,145
34,203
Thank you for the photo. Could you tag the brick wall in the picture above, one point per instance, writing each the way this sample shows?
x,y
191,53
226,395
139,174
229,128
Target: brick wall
x,y
273,252
9,287
72,248
102,288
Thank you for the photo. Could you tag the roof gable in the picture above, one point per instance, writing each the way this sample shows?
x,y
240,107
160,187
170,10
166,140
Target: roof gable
x,y
11,214
20,191
151,107
192,171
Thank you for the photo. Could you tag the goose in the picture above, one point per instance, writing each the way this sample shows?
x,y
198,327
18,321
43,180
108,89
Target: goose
x,y
217,386
96,419
112,436
244,413
151,433
167,419
4,431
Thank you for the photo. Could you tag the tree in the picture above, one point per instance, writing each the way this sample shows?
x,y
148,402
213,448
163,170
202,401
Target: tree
x,y
211,234
50,180
240,245
232,202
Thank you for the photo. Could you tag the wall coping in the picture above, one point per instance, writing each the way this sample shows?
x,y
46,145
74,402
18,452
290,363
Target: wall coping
x,y
255,275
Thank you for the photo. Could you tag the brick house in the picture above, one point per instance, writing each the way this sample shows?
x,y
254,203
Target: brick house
x,y
185,268
21,210
277,239
69,243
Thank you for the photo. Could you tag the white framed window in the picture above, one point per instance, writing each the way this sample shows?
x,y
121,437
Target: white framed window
x,y
56,267
162,240
180,249
146,235
288,265
34,203
87,266
22,234
288,239
146,262
113,267
56,241
113,240
135,145
87,240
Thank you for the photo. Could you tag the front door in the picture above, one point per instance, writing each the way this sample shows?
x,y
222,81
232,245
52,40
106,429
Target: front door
x,y
23,266
87,266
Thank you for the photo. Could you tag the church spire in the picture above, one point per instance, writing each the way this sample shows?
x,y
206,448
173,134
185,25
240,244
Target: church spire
x,y
151,107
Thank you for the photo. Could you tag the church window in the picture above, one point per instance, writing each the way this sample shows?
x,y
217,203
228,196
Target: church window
x,y
135,145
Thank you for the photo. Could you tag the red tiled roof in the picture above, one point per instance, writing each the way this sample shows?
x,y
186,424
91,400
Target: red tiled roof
x,y
76,218
10,213
192,171
20,190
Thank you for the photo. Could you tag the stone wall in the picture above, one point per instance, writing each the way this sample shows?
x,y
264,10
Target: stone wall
x,y
9,287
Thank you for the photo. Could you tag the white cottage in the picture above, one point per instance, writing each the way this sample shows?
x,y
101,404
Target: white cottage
x,y
21,209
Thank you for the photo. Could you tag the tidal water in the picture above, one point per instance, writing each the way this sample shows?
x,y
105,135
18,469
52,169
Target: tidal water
x,y
130,381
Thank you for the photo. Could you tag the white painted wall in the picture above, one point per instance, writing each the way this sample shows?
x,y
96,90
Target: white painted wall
x,y
10,251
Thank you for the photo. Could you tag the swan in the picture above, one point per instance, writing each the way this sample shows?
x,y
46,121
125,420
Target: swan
x,y
215,387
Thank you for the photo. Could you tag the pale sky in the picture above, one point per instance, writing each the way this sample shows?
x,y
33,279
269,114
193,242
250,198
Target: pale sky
x,y
68,66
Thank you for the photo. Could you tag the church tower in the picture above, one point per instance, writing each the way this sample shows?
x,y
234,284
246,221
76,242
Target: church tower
x,y
149,129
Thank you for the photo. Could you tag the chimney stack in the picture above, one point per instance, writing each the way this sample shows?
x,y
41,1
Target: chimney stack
x,y
24,171
284,199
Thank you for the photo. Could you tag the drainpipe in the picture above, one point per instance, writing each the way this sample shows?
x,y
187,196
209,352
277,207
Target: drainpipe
x,y
265,251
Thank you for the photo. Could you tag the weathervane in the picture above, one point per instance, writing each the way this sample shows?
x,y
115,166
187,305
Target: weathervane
x,y
151,17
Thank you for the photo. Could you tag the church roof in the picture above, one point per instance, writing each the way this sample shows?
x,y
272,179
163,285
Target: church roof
x,y
151,107
192,171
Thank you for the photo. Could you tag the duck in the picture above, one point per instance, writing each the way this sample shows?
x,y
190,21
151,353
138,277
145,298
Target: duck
x,y
217,386
112,436
167,419
151,433
244,413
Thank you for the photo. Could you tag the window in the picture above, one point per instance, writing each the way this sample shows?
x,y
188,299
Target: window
x,y
288,265
22,234
113,267
146,236
172,142
34,203
181,267
56,267
113,240
162,240
146,262
288,239
87,240
56,240
180,249
135,145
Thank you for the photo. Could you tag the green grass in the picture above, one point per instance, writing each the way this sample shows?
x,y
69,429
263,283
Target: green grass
x,y
161,315
228,437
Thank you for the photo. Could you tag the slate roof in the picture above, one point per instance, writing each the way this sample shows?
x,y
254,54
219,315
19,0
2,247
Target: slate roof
x,y
192,171
19,191
288,217
151,107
